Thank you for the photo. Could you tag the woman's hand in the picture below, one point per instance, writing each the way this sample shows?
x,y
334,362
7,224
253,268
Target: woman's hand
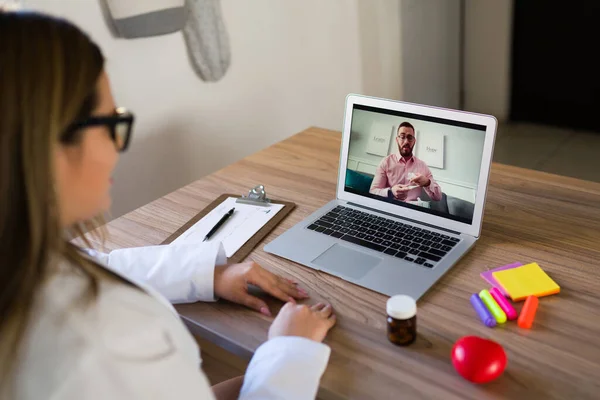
x,y
231,283
299,320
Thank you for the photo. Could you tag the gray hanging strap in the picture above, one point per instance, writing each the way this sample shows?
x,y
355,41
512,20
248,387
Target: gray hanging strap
x,y
206,39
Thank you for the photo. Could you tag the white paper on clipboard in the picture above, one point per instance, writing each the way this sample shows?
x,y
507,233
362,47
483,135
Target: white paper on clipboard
x,y
237,230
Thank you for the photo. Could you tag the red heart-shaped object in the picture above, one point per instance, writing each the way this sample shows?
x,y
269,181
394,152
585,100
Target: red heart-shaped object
x,y
478,360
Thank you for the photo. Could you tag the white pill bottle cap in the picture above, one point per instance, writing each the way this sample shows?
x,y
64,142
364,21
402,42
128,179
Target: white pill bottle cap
x,y
401,307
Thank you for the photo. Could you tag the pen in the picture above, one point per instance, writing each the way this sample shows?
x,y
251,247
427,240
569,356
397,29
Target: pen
x,y
218,225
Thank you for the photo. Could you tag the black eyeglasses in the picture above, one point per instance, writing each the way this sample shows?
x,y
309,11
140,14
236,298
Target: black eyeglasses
x,y
409,138
120,125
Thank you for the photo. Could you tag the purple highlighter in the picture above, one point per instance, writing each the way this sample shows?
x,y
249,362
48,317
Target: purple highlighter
x,y
482,311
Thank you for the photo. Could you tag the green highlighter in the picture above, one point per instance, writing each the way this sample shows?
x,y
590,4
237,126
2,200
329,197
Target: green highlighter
x,y
491,304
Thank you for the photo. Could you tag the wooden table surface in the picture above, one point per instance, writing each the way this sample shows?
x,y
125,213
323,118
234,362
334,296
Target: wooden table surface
x,y
530,216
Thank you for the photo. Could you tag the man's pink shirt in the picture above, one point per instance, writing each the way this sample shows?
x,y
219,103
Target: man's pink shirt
x,y
394,170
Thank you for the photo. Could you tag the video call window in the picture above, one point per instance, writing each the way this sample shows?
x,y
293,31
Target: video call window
x,y
420,162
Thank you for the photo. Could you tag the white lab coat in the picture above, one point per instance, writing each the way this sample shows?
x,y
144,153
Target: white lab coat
x,y
130,345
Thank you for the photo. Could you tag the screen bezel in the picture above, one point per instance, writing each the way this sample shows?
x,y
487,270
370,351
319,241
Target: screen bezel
x,y
474,228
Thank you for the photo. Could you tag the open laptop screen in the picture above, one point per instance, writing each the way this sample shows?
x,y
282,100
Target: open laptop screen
x,y
420,162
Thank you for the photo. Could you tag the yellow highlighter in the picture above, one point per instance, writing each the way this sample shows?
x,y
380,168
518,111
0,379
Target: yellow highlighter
x,y
491,304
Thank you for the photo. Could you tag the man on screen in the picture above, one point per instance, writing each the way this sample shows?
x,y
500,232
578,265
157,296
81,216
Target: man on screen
x,y
401,175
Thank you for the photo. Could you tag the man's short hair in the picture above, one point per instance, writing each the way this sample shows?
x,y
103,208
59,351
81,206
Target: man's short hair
x,y
406,124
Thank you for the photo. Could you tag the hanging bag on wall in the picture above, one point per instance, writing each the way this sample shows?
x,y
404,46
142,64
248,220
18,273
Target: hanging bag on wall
x,y
136,18
207,40
200,21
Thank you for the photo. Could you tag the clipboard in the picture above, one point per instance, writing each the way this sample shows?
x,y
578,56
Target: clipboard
x,y
247,248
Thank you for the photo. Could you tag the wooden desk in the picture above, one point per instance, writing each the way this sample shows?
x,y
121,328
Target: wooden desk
x,y
530,216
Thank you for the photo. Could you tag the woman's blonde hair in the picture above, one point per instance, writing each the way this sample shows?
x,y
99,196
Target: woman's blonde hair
x,y
48,74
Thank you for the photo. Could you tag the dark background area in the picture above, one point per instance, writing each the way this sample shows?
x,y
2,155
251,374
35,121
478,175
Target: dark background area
x,y
555,63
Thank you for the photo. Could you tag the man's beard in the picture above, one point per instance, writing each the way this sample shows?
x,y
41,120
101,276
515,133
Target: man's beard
x,y
406,152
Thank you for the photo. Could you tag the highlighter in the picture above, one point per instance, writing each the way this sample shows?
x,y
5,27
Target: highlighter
x,y
508,309
528,312
482,311
494,308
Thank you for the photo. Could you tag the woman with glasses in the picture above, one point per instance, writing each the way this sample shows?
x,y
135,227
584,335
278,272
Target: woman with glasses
x,y
77,327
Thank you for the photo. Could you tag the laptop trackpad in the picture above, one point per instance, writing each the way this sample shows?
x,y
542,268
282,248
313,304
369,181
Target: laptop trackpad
x,y
347,262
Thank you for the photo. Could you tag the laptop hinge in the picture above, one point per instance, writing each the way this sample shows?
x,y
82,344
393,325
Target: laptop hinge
x,y
404,218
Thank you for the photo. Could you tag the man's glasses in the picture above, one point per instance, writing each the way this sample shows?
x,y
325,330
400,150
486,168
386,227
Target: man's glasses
x,y
409,138
120,125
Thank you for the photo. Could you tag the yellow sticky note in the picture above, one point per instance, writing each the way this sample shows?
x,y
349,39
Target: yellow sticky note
x,y
526,281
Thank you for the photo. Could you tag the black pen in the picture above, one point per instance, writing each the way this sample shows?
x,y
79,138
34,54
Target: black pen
x,y
218,225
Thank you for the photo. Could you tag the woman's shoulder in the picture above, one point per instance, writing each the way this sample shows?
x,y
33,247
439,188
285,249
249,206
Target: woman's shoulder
x,y
122,319
121,324
74,341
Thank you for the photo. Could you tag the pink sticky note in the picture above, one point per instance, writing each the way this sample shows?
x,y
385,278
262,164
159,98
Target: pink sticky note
x,y
487,275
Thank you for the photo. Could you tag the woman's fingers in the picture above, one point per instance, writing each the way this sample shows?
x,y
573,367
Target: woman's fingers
x,y
255,303
271,287
291,289
276,285
326,311
331,321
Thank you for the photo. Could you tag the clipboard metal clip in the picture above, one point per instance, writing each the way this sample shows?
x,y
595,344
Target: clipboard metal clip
x,y
257,196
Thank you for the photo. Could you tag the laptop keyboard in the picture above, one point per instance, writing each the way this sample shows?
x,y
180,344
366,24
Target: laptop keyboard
x,y
404,241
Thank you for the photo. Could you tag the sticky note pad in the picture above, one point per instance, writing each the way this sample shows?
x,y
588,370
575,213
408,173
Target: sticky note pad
x,y
488,277
528,280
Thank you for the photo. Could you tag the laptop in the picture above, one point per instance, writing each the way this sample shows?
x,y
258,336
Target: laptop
x,y
411,190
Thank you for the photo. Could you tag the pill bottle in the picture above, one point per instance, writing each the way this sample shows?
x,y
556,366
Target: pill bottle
x,y
402,320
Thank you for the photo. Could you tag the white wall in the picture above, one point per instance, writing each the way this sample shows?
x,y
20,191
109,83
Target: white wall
x,y
463,149
381,48
430,31
410,50
488,35
293,63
